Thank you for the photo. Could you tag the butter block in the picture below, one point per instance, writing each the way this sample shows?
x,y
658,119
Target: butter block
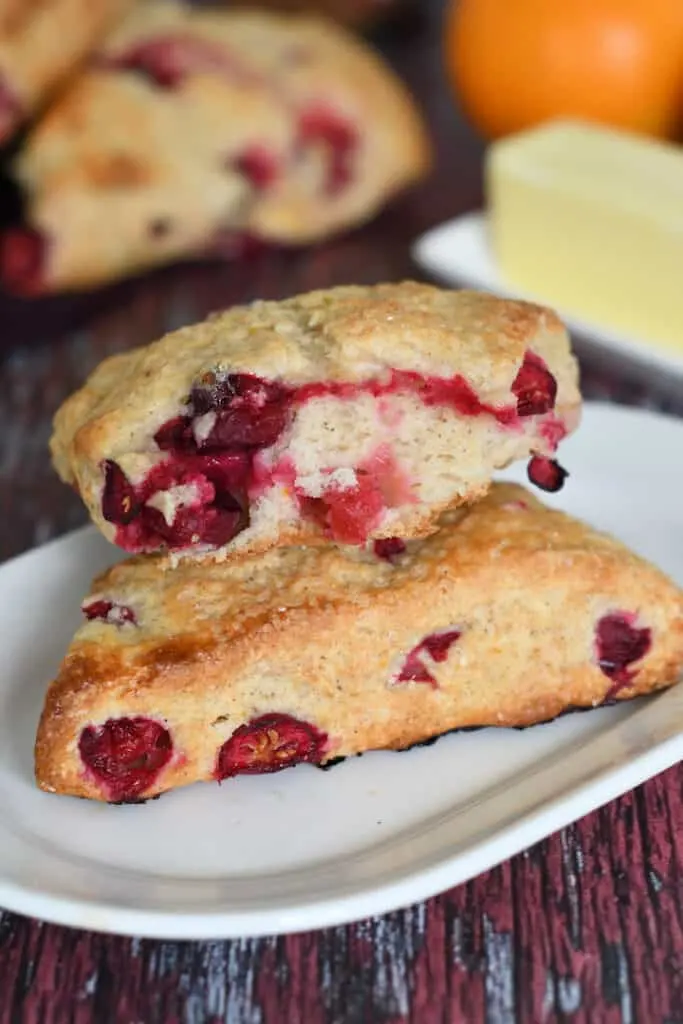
x,y
590,220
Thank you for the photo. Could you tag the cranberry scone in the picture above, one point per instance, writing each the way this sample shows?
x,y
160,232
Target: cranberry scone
x,y
194,130
507,615
41,43
350,414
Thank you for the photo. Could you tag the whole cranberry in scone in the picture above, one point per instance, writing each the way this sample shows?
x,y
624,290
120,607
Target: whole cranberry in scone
x,y
110,612
270,743
546,473
534,387
389,548
125,756
620,644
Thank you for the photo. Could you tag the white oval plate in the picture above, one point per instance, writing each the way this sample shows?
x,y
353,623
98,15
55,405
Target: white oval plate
x,y
458,252
306,848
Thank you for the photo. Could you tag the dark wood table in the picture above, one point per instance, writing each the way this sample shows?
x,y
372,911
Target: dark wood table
x,y
586,927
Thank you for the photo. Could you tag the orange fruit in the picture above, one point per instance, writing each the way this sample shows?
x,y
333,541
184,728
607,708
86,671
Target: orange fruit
x,y
515,63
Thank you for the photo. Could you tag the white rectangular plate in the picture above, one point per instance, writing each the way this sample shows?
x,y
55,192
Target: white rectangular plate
x,y
306,848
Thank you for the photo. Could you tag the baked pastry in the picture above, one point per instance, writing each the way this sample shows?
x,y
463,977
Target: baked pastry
x,y
509,614
352,413
41,42
194,129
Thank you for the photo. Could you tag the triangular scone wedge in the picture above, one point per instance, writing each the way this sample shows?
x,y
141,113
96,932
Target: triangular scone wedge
x,y
352,413
194,128
41,43
508,615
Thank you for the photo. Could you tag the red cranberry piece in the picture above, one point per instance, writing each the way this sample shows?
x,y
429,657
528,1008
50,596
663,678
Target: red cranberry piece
x,y
157,59
437,646
315,510
250,412
346,515
391,479
218,509
176,435
269,744
258,165
355,512
229,517
119,503
168,60
389,548
534,387
23,258
125,755
153,531
349,514
227,471
213,525
109,611
212,393
618,644
546,473
243,427
220,392
321,124
224,470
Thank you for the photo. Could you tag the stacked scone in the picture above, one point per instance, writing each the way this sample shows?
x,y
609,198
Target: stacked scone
x,y
322,565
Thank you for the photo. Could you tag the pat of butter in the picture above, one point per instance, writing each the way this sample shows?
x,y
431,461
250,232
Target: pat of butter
x,y
591,220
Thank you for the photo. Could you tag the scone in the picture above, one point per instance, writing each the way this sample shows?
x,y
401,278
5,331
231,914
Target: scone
x,y
41,43
508,615
194,129
348,414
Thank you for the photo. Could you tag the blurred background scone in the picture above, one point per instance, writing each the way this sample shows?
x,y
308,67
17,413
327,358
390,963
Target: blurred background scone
x,y
193,129
42,42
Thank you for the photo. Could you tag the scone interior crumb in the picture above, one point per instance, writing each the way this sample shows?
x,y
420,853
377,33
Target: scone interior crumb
x,y
248,454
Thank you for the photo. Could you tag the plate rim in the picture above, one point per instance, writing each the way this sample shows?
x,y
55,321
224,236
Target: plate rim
x,y
411,883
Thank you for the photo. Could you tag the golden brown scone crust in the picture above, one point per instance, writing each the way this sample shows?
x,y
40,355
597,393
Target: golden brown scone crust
x,y
123,174
321,634
42,42
349,333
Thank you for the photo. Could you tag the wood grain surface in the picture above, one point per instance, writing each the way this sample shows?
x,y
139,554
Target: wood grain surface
x,y
586,927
